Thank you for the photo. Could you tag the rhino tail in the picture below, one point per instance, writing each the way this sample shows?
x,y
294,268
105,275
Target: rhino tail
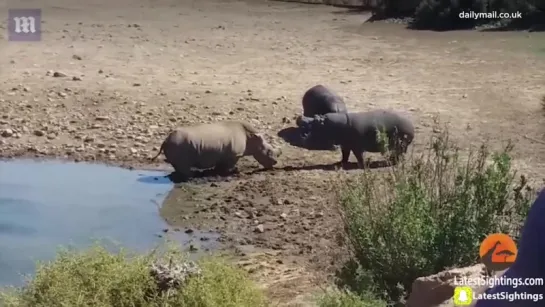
x,y
161,149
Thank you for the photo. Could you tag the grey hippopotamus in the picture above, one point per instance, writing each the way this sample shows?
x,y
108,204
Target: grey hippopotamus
x,y
319,100
358,132
216,145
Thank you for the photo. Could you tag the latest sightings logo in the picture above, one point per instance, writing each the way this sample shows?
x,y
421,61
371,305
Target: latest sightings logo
x,y
24,25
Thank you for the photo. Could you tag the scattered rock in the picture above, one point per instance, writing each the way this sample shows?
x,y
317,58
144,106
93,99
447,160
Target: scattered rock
x,y
39,133
58,74
172,276
7,133
436,290
76,57
259,228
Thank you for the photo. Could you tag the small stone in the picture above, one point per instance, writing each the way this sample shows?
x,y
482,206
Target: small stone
x,y
102,118
76,57
39,133
133,150
7,133
76,78
51,136
89,139
189,231
259,228
284,216
58,74
238,214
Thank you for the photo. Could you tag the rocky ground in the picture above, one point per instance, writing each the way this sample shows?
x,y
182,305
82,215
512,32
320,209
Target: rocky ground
x,y
109,80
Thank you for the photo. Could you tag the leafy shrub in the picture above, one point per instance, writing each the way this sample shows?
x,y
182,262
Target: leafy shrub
x,y
96,277
426,214
349,299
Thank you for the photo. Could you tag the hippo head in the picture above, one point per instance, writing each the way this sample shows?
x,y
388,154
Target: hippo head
x,y
262,151
314,135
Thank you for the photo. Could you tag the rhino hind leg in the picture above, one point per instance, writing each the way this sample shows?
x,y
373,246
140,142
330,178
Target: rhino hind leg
x,y
227,166
182,173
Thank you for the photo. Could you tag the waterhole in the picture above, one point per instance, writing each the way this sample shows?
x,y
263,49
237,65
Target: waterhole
x,y
48,204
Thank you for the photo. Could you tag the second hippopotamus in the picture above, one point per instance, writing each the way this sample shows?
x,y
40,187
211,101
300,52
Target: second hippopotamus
x,y
373,131
319,100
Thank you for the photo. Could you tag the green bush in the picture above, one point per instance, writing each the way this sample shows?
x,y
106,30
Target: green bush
x,y
96,277
428,213
349,299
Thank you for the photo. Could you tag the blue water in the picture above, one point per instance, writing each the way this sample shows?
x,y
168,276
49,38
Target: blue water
x,y
44,205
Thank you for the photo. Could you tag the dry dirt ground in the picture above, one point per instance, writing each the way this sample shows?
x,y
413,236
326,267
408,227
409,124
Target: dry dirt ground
x,y
110,79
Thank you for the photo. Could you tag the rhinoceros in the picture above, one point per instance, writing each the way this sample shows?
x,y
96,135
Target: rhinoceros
x,y
216,145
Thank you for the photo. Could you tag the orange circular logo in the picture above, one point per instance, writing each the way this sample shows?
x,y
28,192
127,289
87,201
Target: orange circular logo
x,y
498,252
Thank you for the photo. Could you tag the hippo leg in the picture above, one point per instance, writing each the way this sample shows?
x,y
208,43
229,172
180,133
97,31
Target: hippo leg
x,y
359,156
345,151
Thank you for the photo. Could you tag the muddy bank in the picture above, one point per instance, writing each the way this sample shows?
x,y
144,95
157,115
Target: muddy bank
x,y
277,210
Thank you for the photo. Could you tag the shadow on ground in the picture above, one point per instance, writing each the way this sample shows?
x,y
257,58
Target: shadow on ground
x,y
198,176
324,167
352,11
210,176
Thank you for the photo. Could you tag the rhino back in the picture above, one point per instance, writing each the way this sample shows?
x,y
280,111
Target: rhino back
x,y
207,144
320,100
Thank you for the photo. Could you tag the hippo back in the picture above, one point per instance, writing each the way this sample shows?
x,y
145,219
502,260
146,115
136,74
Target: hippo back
x,y
394,125
320,100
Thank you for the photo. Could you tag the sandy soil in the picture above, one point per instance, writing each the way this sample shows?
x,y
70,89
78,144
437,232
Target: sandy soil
x,y
110,79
